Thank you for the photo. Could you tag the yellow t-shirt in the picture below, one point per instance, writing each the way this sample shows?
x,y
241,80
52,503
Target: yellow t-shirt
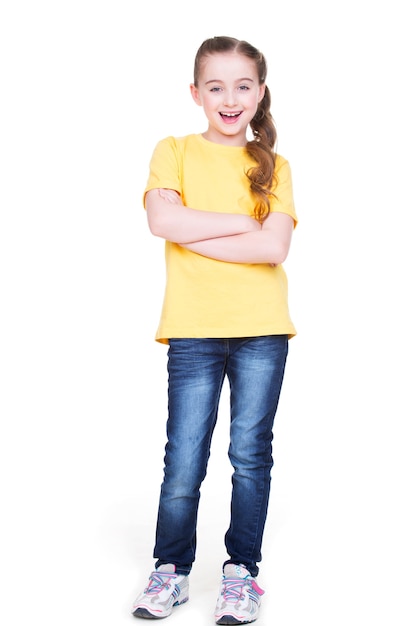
x,y
205,297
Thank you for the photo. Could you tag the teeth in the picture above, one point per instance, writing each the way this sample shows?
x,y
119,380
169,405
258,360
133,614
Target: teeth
x,y
230,114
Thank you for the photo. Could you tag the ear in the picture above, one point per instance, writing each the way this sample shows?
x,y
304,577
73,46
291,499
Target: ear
x,y
261,92
195,94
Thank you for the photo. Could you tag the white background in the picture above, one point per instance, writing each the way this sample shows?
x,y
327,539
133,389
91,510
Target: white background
x,y
87,88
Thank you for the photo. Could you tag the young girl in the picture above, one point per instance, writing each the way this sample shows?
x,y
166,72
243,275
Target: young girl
x,y
224,205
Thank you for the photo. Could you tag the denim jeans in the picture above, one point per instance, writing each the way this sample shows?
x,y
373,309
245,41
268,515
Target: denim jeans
x,y
197,369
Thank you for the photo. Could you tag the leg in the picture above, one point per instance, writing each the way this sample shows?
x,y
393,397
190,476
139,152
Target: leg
x,y
196,369
255,371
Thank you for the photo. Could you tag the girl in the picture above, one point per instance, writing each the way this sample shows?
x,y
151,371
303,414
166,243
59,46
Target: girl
x,y
224,205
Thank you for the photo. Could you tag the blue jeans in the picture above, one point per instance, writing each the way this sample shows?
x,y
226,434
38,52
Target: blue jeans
x,y
197,368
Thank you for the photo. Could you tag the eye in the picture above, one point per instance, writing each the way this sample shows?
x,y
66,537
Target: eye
x,y
215,89
243,88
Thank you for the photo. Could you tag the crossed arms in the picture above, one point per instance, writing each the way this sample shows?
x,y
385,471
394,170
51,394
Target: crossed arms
x,y
230,237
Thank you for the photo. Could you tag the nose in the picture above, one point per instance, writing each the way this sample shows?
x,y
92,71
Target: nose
x,y
230,98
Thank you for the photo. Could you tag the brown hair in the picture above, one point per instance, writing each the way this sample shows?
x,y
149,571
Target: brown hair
x,y
262,147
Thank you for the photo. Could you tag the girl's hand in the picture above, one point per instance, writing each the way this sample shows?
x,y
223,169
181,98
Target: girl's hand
x,y
171,196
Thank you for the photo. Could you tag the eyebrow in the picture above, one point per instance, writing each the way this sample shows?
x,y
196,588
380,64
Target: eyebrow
x,y
216,80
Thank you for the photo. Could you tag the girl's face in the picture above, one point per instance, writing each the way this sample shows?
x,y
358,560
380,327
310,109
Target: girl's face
x,y
229,92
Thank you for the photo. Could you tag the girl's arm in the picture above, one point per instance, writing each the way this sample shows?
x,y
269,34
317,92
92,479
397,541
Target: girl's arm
x,y
170,219
270,244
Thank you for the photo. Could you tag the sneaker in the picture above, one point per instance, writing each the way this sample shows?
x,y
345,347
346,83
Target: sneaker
x,y
239,596
165,589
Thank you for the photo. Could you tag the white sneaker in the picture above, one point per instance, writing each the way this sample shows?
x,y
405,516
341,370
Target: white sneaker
x,y
239,597
165,589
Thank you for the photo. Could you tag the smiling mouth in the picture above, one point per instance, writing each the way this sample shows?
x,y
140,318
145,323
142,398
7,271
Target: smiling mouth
x,y
230,117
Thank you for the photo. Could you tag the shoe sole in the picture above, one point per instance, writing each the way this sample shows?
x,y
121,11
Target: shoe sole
x,y
230,619
145,614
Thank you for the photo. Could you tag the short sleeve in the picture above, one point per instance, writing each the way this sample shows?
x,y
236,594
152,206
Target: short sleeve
x,y
165,167
283,201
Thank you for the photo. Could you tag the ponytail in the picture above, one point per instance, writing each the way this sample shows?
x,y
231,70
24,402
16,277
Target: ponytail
x,y
262,149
